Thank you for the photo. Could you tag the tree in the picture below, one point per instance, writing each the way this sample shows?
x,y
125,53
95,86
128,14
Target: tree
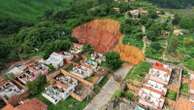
x,y
172,44
173,3
187,22
113,60
108,2
58,45
37,86
87,48
156,45
152,14
154,31
176,20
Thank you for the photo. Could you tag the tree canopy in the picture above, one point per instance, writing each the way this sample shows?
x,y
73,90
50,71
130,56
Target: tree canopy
x,y
113,60
37,86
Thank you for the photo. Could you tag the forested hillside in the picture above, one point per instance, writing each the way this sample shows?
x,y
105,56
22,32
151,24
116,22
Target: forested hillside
x,y
173,3
15,14
28,10
41,27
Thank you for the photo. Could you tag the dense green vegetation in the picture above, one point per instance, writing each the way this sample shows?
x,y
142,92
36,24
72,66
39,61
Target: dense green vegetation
x,y
189,63
173,3
88,49
184,89
171,95
22,38
37,86
29,10
138,72
113,60
128,94
52,32
69,104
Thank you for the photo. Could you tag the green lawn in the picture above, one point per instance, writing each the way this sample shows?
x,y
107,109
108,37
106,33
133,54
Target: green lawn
x,y
28,10
128,94
182,12
133,41
138,72
189,64
98,87
171,95
184,89
152,53
68,104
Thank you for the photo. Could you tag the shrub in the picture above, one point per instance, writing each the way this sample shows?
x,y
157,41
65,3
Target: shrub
x,y
113,60
171,95
37,86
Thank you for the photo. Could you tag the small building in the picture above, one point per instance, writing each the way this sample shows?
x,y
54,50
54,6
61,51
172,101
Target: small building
x,y
178,32
67,82
160,73
184,104
191,86
32,71
76,49
156,87
139,108
17,69
68,56
91,64
9,89
61,89
98,57
54,94
30,104
136,13
151,99
82,71
55,59
38,68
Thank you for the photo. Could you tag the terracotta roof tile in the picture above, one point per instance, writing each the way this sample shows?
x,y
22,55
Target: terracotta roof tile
x,y
33,104
184,104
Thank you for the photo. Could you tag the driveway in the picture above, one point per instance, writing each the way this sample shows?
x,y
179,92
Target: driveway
x,y
108,90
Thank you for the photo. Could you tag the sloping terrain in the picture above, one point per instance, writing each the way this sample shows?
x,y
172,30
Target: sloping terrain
x,y
28,10
102,34
130,54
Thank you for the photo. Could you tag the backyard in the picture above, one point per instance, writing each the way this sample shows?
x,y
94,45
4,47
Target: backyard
x,y
138,72
71,103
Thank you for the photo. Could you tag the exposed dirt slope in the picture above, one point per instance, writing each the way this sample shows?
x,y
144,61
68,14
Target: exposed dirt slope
x,y
102,34
130,54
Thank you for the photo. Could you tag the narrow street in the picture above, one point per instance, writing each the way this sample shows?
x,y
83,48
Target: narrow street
x,y
108,90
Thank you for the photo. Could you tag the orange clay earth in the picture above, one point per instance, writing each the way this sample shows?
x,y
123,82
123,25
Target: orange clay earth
x,y
130,54
102,34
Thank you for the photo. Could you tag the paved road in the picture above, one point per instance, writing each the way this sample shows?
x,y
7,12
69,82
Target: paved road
x,y
108,90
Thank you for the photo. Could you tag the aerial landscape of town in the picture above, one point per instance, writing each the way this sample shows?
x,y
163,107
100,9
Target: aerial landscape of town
x,y
96,55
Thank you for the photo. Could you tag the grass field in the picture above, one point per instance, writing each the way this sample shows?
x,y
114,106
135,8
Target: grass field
x,y
182,12
28,10
138,72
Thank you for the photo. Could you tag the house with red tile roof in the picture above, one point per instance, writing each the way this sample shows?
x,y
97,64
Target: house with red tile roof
x,y
31,104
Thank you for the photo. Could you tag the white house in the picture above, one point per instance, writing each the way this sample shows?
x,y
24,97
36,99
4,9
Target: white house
x,y
55,59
